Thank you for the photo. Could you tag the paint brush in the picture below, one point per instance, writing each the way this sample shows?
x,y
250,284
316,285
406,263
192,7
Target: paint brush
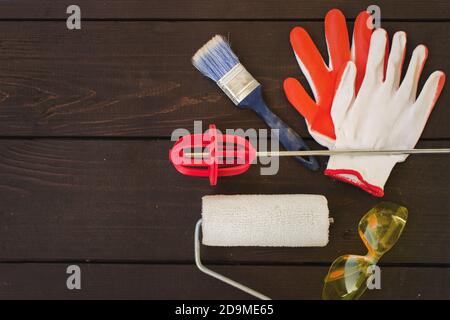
x,y
218,62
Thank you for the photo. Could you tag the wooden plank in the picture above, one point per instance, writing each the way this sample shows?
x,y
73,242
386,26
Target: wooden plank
x,y
64,200
220,9
122,281
136,79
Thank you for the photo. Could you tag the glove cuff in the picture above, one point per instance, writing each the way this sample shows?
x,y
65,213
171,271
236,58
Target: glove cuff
x,y
369,173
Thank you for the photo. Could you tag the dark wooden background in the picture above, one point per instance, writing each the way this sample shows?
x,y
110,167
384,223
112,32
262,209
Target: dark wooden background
x,y
85,124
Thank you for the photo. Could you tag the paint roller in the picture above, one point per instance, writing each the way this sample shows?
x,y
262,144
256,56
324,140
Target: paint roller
x,y
295,220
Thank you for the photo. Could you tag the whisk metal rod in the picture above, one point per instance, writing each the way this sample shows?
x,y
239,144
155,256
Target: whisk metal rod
x,y
331,153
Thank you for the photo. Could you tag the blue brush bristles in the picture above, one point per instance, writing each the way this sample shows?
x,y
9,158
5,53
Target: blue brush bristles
x,y
215,58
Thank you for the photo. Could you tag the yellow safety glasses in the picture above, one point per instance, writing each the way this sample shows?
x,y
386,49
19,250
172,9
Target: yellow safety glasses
x,y
379,229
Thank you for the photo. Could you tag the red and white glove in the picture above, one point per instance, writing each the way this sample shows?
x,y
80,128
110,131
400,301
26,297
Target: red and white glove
x,y
384,114
324,79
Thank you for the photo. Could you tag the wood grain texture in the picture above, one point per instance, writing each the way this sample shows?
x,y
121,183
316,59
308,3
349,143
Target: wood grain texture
x,y
135,78
119,281
64,200
220,9
69,196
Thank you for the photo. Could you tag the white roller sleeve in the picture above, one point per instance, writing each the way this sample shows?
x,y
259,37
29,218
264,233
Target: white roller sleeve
x,y
295,220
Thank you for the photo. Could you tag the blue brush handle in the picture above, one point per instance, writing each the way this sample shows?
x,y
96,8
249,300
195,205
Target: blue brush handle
x,y
290,140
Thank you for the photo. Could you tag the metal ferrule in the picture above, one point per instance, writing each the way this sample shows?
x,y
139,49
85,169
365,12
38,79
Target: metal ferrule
x,y
237,83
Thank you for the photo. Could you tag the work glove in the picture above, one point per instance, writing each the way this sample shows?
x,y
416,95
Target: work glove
x,y
323,79
383,115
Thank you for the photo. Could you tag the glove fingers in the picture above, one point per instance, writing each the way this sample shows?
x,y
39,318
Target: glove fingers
x,y
396,58
300,99
428,97
336,34
361,45
310,60
375,60
409,86
345,95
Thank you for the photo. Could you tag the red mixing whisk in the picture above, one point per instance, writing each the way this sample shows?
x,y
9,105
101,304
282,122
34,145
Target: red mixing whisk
x,y
221,155
229,155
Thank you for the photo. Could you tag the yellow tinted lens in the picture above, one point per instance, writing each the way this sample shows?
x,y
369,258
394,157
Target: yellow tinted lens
x,y
346,278
382,226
